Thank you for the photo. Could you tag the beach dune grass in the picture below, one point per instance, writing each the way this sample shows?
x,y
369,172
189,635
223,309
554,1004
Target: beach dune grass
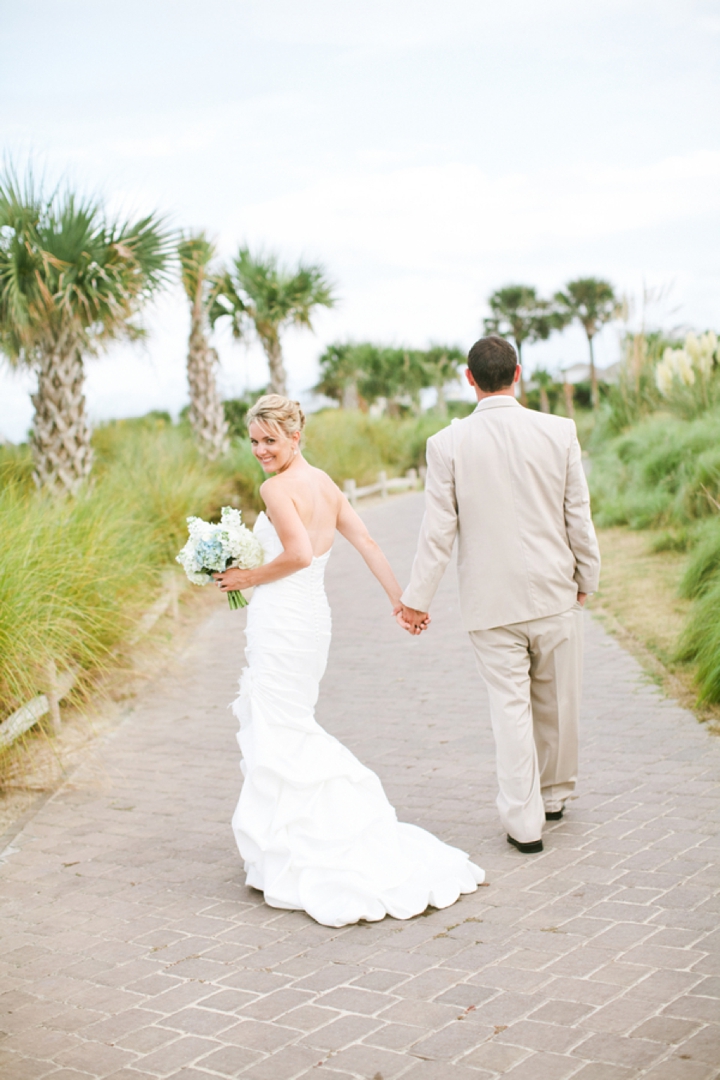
x,y
350,444
77,573
664,473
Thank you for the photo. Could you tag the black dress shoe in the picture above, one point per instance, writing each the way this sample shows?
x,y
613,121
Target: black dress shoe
x,y
527,849
554,815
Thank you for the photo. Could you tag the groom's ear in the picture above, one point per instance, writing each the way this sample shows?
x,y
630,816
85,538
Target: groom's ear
x,y
469,377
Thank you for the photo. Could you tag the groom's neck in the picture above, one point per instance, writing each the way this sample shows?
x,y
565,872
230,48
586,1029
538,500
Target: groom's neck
x,y
506,391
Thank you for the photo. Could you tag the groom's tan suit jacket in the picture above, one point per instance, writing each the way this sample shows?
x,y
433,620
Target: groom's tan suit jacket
x,y
509,483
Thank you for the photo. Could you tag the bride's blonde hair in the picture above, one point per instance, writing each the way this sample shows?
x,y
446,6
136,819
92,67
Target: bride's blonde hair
x,y
277,413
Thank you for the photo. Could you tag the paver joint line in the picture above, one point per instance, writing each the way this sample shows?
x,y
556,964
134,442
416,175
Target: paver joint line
x,y
132,948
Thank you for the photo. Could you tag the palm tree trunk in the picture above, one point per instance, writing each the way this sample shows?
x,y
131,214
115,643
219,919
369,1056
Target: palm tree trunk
x,y
593,377
207,415
544,401
350,397
569,400
523,391
61,434
278,377
441,400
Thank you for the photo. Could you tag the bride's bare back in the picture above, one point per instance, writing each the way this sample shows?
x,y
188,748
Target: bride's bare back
x,y
304,505
315,498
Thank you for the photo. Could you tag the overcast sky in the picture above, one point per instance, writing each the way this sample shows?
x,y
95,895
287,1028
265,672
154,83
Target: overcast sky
x,y
425,151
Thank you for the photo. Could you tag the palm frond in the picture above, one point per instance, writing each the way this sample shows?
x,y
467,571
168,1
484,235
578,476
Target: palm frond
x,y
224,301
67,272
195,252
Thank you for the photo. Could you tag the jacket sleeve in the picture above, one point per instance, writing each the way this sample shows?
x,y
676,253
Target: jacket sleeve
x,y
578,522
438,529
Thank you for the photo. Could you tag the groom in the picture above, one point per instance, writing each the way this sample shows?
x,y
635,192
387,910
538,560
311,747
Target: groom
x,y
509,483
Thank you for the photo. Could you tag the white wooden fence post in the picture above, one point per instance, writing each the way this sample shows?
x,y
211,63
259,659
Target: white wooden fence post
x,y
349,488
382,481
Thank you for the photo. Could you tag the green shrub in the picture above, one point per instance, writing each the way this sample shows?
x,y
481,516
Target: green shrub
x,y
236,409
668,540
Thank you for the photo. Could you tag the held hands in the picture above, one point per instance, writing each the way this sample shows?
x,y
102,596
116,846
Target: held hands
x,y
416,621
234,578
409,619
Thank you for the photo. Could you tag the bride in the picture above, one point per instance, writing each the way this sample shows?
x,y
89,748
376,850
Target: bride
x,y
313,825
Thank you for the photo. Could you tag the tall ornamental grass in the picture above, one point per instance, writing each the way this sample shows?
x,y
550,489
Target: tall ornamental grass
x,y
700,641
664,473
76,574
661,374
350,444
704,561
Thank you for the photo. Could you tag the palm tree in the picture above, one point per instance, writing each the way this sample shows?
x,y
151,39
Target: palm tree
x,y
543,379
592,301
206,409
519,313
70,282
340,370
258,291
442,363
394,374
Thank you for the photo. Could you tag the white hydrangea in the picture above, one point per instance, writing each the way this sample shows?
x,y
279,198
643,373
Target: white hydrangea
x,y
213,547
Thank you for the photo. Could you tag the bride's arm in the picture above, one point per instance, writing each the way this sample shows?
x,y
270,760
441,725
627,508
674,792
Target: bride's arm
x,y
353,528
297,549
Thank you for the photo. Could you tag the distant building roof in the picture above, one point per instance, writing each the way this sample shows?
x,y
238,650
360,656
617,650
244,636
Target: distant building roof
x,y
578,373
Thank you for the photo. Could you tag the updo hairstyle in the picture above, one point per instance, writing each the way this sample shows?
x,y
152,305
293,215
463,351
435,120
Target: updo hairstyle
x,y
278,414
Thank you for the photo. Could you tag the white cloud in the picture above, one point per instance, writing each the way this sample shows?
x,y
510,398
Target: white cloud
x,y
402,24
430,217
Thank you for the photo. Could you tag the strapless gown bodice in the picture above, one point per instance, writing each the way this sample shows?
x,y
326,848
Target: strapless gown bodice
x,y
313,825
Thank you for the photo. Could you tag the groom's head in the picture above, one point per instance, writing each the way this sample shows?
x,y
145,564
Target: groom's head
x,y
492,362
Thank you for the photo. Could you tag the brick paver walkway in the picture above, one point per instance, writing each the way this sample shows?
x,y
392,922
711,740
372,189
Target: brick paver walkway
x,y
133,950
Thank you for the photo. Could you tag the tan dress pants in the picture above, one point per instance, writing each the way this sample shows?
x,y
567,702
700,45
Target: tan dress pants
x,y
533,674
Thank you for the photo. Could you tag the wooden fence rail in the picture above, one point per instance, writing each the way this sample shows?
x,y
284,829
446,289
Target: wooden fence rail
x,y
58,686
383,487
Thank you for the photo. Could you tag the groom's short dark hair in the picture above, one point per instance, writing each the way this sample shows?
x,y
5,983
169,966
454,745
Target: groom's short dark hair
x,y
492,362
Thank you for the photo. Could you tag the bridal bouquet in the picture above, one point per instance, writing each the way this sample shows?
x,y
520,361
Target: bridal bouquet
x,y
213,548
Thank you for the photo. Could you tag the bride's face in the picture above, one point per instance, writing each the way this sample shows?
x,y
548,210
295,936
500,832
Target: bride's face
x,y
273,449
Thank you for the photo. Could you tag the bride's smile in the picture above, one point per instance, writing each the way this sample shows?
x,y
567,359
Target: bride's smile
x,y
274,451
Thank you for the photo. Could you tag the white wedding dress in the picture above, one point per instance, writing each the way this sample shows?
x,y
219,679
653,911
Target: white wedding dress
x,y
313,825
